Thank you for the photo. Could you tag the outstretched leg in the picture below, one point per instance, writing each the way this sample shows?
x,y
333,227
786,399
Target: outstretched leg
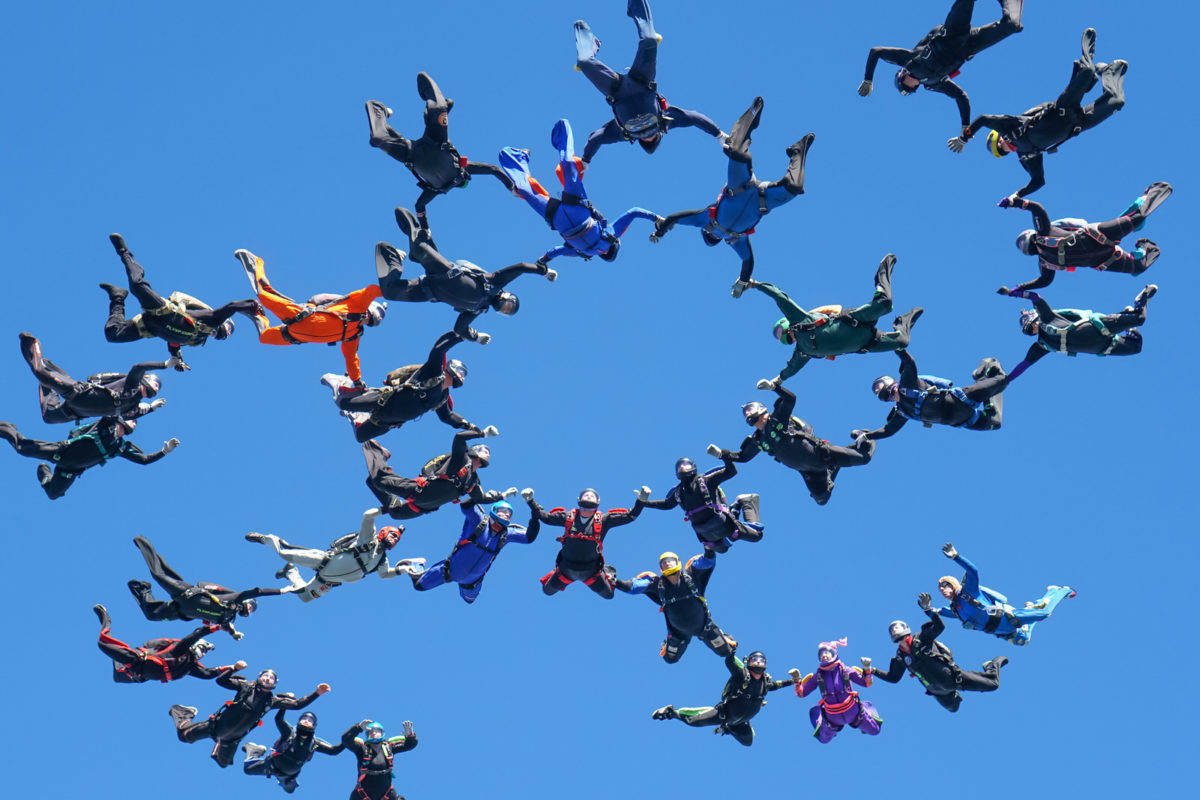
x,y
554,582
1112,78
958,19
383,136
898,338
1010,22
31,448
602,582
138,285
645,63
1083,74
737,146
162,573
482,168
881,301
595,70
793,181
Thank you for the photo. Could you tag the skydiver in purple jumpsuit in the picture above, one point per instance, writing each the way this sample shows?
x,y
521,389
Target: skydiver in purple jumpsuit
x,y
840,705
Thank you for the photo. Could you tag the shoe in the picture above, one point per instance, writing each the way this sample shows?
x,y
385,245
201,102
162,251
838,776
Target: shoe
x,y
666,712
995,664
407,222
256,537
118,243
44,474
182,714
739,286
282,572
338,383
114,292
388,260
253,266
905,322
102,613
1144,295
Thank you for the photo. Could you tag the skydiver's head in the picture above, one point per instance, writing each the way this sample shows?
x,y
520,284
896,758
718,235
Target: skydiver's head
x,y
900,633
905,83
668,564
307,724
375,313
1027,242
201,647
756,662
756,414
588,502
711,239
949,586
246,607
506,303
389,535
783,331
374,732
224,330
611,253
998,146
650,141
886,388
454,374
1029,322
827,652
480,455
151,385
267,679
685,470
500,514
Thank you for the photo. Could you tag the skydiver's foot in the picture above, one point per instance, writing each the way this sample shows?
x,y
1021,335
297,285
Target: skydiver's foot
x,y
407,222
586,43
253,266
258,538
114,292
429,91
737,146
102,615
1112,79
340,384
988,367
1088,44
253,750
283,571
388,260
883,275
374,444
30,348
1144,295
1068,597
118,243
739,287
1150,253
793,181
995,664
904,322
182,715
413,567
666,712
44,474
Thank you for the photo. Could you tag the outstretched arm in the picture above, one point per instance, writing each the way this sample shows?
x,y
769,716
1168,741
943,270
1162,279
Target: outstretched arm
x,y
895,671
892,55
953,90
683,118
787,305
785,405
1037,174
1041,220
503,277
437,356
131,452
1045,278
610,133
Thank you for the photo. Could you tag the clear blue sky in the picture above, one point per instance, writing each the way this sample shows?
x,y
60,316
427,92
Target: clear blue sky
x,y
196,132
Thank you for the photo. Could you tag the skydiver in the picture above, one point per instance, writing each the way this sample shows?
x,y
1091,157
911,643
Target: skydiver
x,y
89,445
679,594
584,230
477,548
375,755
162,660
829,331
442,480
1043,128
407,393
432,159
350,558
236,718
791,442
581,557
107,394
743,697
943,51
930,399
640,113
984,609
1072,331
322,319
214,604
744,200
291,751
932,662
179,319
468,289
840,705
715,522
1065,244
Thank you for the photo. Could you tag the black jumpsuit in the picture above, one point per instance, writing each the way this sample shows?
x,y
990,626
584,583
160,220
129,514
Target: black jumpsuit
x,y
581,557
375,764
933,665
291,751
743,697
684,607
1057,333
981,410
704,507
405,498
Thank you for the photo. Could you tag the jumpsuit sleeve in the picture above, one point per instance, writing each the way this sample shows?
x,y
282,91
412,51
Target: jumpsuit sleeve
x,y
805,687
666,504
452,418
256,592
294,703
856,675
953,90
541,515
1046,313
932,629
1045,278
619,517
895,421
327,748
785,405
787,305
462,326
228,679
285,730
133,379
402,744
437,356
350,356
970,583
1041,219
186,643
204,673
609,133
131,452
892,55
561,250
746,452
501,278
702,570
734,665
348,740
366,530
723,473
895,671
636,585
776,685
684,118
794,364
1037,174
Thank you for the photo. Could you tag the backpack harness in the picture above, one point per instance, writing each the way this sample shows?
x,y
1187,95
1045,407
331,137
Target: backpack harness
x,y
597,525
638,126
995,614
364,761
978,409
473,538
177,303
776,431
728,235
309,309
716,501
692,592
577,233
344,544
1061,244
243,698
463,177
1086,318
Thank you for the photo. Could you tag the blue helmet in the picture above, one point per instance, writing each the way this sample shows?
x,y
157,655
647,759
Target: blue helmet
x,y
497,508
374,732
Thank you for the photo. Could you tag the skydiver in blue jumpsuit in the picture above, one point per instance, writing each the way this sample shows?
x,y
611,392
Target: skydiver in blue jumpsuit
x,y
585,231
481,541
745,200
983,609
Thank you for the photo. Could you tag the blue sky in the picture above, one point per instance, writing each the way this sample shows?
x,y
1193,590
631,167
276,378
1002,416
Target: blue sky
x,y
196,132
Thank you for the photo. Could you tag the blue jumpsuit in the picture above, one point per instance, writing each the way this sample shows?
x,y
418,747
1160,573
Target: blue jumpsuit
x,y
980,608
585,231
472,557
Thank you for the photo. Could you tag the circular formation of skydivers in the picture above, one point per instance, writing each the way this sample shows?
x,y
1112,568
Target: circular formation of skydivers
x,y
103,407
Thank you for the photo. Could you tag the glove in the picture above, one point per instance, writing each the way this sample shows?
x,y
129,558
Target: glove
x,y
767,385
949,550
551,275
322,688
239,665
865,87
860,436
174,362
238,636
956,144
643,494
509,492
490,431
866,662
408,728
1012,201
713,451
795,673
722,138
483,338
923,600
363,725
180,366
527,495
170,444
153,405
359,384
1004,290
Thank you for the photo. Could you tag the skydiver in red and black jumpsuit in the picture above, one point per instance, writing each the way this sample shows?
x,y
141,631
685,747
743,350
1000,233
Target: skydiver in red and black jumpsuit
x,y
162,660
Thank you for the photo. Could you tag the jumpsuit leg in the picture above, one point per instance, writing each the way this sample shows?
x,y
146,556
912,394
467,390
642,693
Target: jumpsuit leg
x,y
1124,321
162,573
699,717
47,374
30,448
989,389
1128,344
743,732
554,582
1083,78
1009,23
55,485
868,720
737,146
820,485
403,290
195,731
950,702
383,136
117,329
469,593
153,610
639,12
481,168
139,287
980,681
673,647
300,556
716,640
881,302
431,578
792,182
958,18
216,316
601,583
1112,100
595,70
645,61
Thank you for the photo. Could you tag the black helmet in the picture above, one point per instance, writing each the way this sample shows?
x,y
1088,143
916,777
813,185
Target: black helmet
x,y
506,303
588,503
901,74
482,452
882,387
756,662
312,720
246,607
685,468
224,330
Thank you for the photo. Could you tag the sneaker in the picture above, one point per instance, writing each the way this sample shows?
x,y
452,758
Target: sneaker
x,y
739,286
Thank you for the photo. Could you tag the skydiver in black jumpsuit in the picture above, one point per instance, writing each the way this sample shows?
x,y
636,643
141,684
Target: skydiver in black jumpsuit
x,y
179,320
461,285
794,445
375,758
409,393
90,445
214,604
432,159
162,660
292,750
978,407
716,523
581,557
443,480
933,662
107,394
238,717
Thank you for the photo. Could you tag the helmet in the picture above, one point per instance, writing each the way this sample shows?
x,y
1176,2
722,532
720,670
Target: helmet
x,y
376,312
671,568
1029,322
495,514
388,530
267,679
506,303
482,452
593,502
457,371
994,140
246,607
374,732
685,468
882,387
950,581
898,630
308,716
151,384
901,74
201,647
753,410
831,648
611,253
756,662
710,238
1027,242
224,330
782,328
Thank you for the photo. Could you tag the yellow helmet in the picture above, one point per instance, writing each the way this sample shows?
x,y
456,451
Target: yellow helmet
x,y
670,569
993,143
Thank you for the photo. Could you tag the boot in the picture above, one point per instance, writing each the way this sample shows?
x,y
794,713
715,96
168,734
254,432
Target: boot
x,y
987,368
749,507
1112,80
253,750
118,243
182,715
389,260
8,432
1088,47
737,146
1144,296
793,181
995,664
586,43
31,349
904,322
1011,11
253,266
340,384
258,538
666,712
639,12
116,294
883,276
407,222
102,614
1149,255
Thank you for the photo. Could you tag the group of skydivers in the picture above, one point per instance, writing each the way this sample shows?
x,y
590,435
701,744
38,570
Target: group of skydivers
x,y
104,407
